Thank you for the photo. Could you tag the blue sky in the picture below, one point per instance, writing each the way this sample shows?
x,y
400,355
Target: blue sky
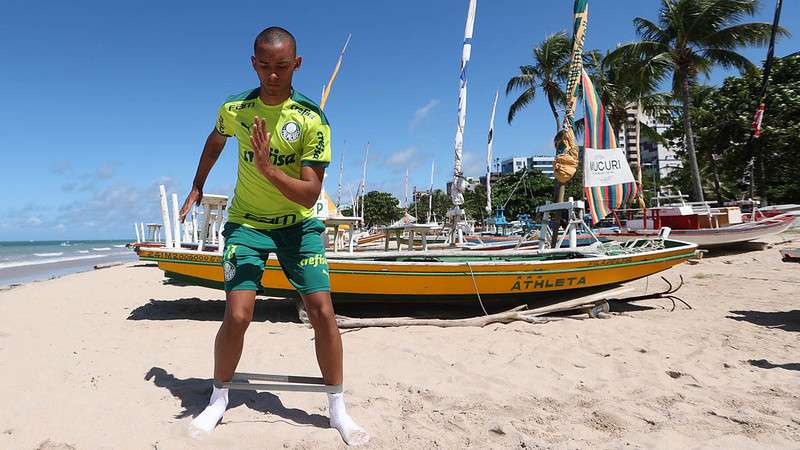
x,y
105,100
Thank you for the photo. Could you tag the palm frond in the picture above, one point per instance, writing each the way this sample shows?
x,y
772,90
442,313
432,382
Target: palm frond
x,y
652,134
742,35
715,14
650,31
638,50
520,103
554,91
728,59
524,81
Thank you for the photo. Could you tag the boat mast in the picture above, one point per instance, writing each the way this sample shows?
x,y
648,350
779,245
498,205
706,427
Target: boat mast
x,y
405,200
430,195
457,190
326,90
489,157
339,186
363,185
762,106
567,152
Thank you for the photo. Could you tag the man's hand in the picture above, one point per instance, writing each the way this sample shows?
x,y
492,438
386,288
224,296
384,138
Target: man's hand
x,y
259,139
194,197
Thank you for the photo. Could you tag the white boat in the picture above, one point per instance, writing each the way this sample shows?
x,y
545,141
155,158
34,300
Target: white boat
x,y
711,237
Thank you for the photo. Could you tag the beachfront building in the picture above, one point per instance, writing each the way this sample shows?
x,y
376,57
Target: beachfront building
x,y
513,164
470,183
543,164
653,153
516,163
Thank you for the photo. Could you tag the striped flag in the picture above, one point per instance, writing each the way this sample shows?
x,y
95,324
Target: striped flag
x,y
600,197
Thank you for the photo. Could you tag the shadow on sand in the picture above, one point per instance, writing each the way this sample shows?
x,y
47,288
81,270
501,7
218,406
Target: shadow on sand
x,y
783,320
284,310
764,364
735,249
273,310
195,392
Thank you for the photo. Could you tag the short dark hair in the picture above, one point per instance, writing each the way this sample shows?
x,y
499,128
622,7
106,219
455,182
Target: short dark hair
x,y
274,35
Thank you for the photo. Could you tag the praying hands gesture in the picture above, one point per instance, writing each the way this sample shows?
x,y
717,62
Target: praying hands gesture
x,y
259,139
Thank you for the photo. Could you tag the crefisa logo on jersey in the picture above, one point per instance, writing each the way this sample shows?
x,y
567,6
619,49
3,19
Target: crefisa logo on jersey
x,y
290,131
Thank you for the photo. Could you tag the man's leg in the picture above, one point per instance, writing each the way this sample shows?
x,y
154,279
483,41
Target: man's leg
x,y
227,352
328,345
230,337
327,341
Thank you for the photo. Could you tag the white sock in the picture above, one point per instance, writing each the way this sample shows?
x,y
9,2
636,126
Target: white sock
x,y
352,434
208,419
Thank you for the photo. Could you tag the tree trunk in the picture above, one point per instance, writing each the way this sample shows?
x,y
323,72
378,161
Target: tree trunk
x,y
689,139
558,190
764,201
555,113
717,189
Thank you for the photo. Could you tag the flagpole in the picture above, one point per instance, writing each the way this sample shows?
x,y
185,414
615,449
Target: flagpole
x,y
457,189
489,156
326,90
430,194
566,161
762,98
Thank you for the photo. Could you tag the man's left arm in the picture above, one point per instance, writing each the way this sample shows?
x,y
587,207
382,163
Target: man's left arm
x,y
304,191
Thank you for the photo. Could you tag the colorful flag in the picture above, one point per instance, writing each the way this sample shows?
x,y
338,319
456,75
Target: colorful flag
x,y
608,181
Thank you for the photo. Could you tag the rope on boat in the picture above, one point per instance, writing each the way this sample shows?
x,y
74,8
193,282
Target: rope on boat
x,y
474,283
618,248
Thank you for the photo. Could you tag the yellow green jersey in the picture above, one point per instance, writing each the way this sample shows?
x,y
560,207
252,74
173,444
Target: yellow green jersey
x,y
301,136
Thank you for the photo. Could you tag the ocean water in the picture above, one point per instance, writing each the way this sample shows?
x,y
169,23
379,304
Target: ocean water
x,y
23,261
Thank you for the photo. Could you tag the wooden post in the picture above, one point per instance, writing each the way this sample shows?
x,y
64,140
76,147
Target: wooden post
x,y
220,220
204,228
194,224
165,217
138,236
176,218
335,238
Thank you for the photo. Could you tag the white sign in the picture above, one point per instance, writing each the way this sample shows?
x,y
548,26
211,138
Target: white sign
x,y
605,167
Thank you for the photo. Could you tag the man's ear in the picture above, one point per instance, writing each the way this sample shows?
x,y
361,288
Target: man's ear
x,y
253,61
297,62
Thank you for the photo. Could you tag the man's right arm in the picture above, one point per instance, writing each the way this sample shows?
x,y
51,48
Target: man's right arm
x,y
211,151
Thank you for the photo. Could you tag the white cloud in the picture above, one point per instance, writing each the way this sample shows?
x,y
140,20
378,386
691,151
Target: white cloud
x,y
422,113
473,163
404,158
61,167
33,220
105,171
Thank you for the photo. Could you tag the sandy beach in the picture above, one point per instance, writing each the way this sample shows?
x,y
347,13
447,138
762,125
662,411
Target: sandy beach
x,y
115,358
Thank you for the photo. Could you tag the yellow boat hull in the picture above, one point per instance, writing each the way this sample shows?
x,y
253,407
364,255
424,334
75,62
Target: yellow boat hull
x,y
452,278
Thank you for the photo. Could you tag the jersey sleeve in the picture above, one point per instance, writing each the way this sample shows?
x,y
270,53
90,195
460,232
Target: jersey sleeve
x,y
316,144
223,125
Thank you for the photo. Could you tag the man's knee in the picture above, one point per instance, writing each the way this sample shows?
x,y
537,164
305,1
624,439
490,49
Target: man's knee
x,y
320,312
238,319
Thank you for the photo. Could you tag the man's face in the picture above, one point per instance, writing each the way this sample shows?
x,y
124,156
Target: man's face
x,y
275,64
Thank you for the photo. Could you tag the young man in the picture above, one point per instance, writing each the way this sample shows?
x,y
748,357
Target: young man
x,y
284,147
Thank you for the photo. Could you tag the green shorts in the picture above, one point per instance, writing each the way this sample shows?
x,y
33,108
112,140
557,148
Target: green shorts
x,y
299,247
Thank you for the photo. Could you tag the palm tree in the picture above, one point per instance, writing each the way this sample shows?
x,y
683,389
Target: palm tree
x,y
623,83
551,59
690,38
